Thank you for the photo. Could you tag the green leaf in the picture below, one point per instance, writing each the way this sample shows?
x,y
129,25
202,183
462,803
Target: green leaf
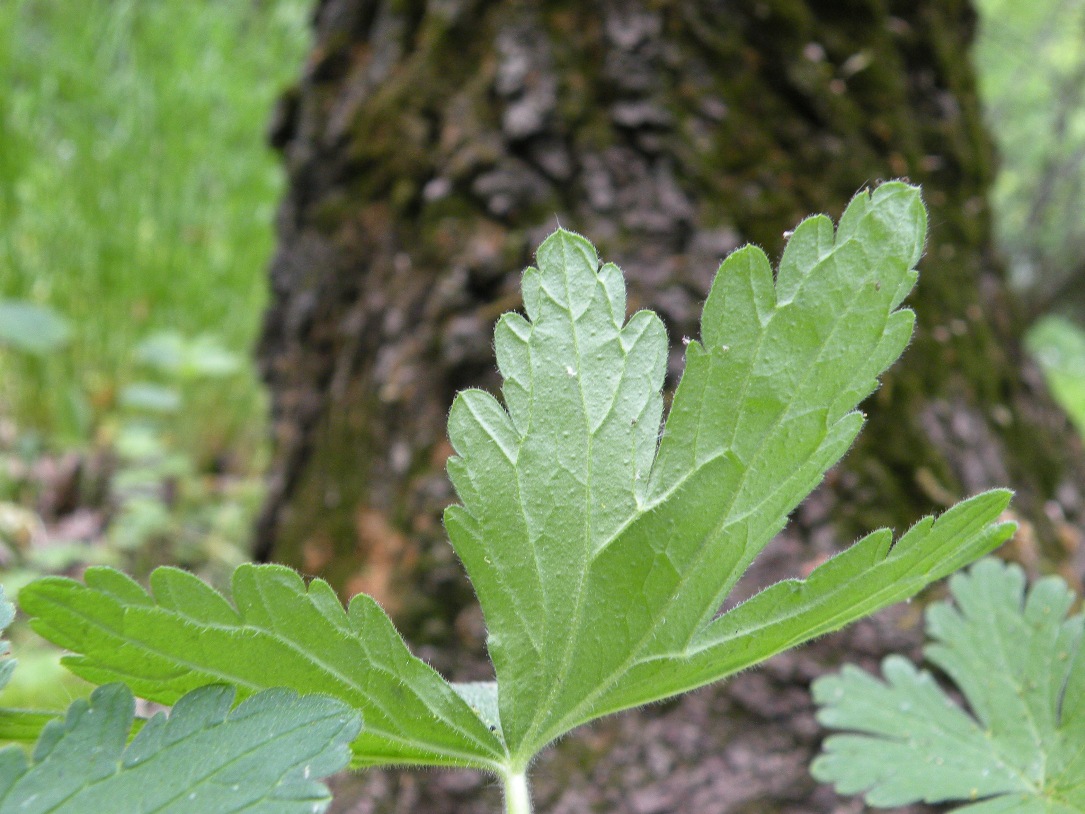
x,y
1059,346
23,725
1020,747
202,357
277,633
601,552
262,758
154,398
601,563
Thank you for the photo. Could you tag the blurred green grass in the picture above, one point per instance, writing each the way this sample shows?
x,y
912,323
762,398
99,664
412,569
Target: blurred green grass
x,y
137,196
137,199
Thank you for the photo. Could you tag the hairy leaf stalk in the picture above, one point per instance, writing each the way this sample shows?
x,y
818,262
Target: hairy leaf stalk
x,y
517,794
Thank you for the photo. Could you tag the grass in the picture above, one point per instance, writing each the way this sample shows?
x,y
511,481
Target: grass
x,y
137,196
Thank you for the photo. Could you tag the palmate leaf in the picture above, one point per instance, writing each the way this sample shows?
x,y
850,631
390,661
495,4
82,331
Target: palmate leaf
x,y
1018,663
264,757
278,633
601,553
601,563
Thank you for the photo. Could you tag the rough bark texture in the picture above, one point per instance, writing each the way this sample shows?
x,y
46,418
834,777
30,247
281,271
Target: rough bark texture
x,y
430,147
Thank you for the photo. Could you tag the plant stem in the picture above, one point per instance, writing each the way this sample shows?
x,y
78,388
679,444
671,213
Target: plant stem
x,y
517,794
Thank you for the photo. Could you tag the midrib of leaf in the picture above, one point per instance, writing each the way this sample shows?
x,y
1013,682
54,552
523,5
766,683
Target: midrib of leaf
x,y
999,747
581,711
75,793
587,554
577,714
1037,741
60,804
826,599
1033,723
237,681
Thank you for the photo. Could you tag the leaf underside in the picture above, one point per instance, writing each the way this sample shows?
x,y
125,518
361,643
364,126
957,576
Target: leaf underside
x,y
264,757
1017,661
601,552
601,561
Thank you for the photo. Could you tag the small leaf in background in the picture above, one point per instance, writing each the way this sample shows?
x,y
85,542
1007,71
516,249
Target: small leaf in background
x,y
163,351
155,398
139,441
139,520
1018,747
208,358
264,757
32,328
1059,346
201,357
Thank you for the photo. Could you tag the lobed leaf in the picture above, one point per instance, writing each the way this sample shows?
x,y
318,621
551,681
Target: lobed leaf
x,y
872,574
601,552
277,633
601,562
264,757
1020,747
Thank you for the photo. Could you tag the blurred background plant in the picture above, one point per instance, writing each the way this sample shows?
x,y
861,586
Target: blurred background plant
x,y
136,203
1030,58
137,196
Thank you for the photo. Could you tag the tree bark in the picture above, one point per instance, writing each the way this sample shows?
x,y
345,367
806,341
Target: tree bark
x,y
431,146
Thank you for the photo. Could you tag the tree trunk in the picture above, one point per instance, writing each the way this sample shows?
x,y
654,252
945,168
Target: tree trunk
x,y
430,147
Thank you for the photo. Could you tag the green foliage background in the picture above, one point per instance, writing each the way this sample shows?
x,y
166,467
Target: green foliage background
x,y
1030,59
137,194
137,197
